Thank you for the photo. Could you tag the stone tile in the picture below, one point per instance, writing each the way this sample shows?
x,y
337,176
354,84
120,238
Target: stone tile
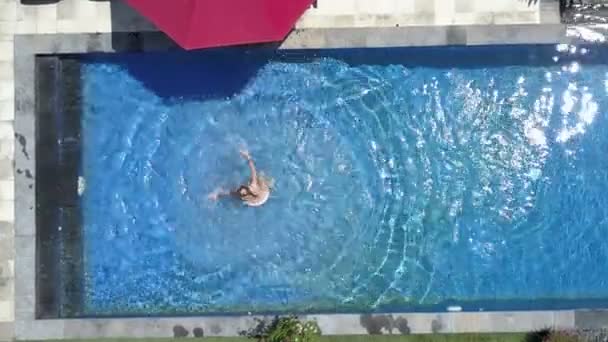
x,y
7,252
405,7
407,36
5,268
25,224
7,289
463,6
376,7
322,21
7,90
25,27
7,110
66,9
6,169
591,319
25,307
504,18
389,20
337,38
80,43
68,26
337,7
46,26
7,211
520,321
505,5
39,330
468,322
456,35
6,229
46,12
564,319
6,51
305,39
82,329
479,18
7,311
24,283
515,34
7,331
104,10
365,20
103,24
11,267
8,10
339,322
422,19
25,249
425,6
445,14
7,190
26,13
7,71
7,150
7,29
420,323
85,10
6,130
549,12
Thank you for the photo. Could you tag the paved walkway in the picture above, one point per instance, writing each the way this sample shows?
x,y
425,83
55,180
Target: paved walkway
x,y
390,13
7,238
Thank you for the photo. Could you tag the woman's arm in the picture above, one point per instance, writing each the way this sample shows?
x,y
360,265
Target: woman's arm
x,y
254,174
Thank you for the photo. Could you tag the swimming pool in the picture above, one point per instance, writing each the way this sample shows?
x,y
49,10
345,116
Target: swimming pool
x,y
405,179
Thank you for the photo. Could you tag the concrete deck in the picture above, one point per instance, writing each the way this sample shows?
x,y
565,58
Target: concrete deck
x,y
394,13
80,26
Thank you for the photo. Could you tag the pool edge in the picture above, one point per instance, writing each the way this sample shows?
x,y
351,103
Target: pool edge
x,y
28,327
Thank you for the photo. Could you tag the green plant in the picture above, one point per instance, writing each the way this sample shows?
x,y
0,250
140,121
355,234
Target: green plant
x,y
284,329
550,335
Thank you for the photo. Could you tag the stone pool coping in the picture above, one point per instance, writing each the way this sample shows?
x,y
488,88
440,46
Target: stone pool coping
x,y
26,326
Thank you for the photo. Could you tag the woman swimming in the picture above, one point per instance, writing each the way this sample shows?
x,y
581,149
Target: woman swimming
x,y
255,193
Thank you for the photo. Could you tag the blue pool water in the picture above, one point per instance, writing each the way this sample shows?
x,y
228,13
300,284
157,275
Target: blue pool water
x,y
405,179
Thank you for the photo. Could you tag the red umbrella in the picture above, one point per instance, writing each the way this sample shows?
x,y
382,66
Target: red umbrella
x,y
197,24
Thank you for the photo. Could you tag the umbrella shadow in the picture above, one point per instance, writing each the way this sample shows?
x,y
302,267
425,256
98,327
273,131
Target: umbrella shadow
x,y
173,72
208,74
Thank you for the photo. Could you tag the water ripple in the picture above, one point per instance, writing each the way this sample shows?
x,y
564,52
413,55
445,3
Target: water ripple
x,y
393,185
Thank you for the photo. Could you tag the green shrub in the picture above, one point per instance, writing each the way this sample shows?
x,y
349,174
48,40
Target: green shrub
x,y
550,335
284,329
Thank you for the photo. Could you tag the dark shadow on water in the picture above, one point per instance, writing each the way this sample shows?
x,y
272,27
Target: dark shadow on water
x,y
223,72
210,74
172,71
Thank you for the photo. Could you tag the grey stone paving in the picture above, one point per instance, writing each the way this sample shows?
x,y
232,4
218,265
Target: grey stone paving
x,y
7,194
427,36
391,13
